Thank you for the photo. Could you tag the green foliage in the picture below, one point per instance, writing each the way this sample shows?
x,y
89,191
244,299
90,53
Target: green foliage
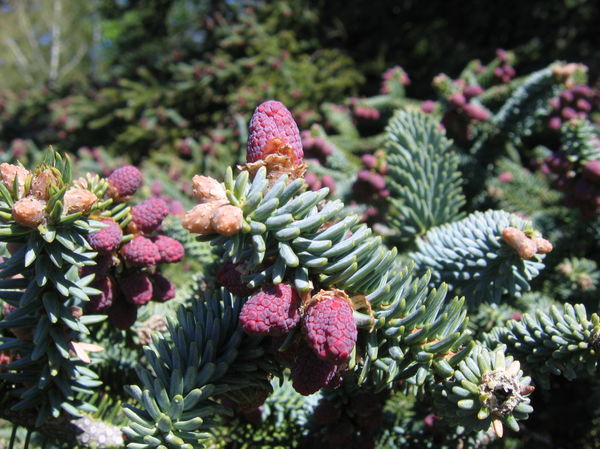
x,y
560,341
522,111
204,354
184,77
488,389
49,377
575,280
282,421
283,237
518,190
472,258
580,141
423,179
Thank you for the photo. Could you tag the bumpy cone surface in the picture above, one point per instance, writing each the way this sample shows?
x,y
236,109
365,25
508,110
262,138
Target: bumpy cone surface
x,y
105,299
78,200
206,190
8,173
170,250
272,120
330,328
162,288
227,220
272,311
125,181
149,214
310,374
141,251
229,275
136,288
107,239
104,262
29,211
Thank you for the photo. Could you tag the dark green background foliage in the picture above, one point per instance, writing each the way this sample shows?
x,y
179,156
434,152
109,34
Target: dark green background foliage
x,y
423,197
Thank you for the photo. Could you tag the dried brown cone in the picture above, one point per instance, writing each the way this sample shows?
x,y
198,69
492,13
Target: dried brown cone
x,y
227,220
40,185
198,219
152,325
9,172
29,211
78,200
208,190
279,159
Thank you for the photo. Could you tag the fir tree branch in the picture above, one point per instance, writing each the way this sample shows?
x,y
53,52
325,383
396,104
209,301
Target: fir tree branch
x,y
82,432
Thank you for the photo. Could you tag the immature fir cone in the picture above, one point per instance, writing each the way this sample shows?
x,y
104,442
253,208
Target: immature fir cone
x,y
149,214
310,374
329,326
9,172
141,251
124,182
476,113
229,275
136,288
472,90
29,212
107,239
272,120
122,314
208,190
104,300
170,250
591,171
272,311
227,220
162,288
78,200
104,263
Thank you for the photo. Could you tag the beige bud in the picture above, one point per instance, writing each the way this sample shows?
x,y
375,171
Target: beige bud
x,y
565,268
78,200
206,189
517,240
76,312
439,79
40,186
29,211
566,70
198,219
9,172
228,220
543,246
